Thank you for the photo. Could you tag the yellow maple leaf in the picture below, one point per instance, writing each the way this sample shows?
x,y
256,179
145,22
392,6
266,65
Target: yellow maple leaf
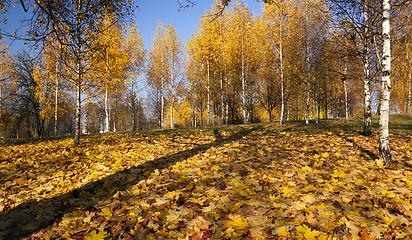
x,y
340,173
216,168
311,235
96,236
239,223
302,228
107,212
380,163
282,232
66,235
324,236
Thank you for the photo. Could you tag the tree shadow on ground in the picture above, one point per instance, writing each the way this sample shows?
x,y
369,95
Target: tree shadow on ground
x,y
372,155
32,216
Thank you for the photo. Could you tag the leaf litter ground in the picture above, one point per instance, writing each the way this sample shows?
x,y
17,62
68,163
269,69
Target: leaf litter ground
x,y
261,181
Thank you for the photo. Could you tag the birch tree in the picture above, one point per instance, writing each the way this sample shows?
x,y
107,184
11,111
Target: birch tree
x,y
51,89
136,55
240,55
164,67
384,148
174,50
75,24
110,64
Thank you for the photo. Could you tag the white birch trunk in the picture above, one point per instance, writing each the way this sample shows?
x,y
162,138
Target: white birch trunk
x,y
243,87
194,113
56,92
162,100
282,94
367,112
227,112
115,119
208,93
222,98
384,148
171,113
345,88
78,113
106,101
106,111
173,94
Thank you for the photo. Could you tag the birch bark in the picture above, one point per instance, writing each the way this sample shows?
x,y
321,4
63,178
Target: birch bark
x,y
384,148
173,93
243,86
56,92
282,95
367,112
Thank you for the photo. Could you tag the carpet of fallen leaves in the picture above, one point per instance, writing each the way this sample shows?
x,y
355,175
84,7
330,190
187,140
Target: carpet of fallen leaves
x,y
261,181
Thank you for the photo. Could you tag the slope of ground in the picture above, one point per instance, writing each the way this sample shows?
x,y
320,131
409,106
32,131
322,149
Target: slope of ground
x,y
261,181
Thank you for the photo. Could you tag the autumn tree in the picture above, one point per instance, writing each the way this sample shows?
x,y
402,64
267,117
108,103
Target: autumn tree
x,y
384,148
110,62
277,36
26,103
52,89
163,69
76,25
241,59
207,49
136,57
5,85
401,92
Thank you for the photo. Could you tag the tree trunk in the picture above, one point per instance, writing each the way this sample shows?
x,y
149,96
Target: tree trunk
x,y
106,111
134,108
227,112
243,87
194,113
222,99
78,113
171,113
384,148
162,100
115,117
345,88
56,103
135,115
367,112
282,94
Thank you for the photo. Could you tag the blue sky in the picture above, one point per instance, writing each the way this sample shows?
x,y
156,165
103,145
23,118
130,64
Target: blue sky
x,y
148,14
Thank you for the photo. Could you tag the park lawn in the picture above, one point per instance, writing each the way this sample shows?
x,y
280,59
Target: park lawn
x,y
258,181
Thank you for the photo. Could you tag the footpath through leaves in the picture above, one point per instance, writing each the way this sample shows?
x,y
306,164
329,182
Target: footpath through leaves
x,y
241,182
